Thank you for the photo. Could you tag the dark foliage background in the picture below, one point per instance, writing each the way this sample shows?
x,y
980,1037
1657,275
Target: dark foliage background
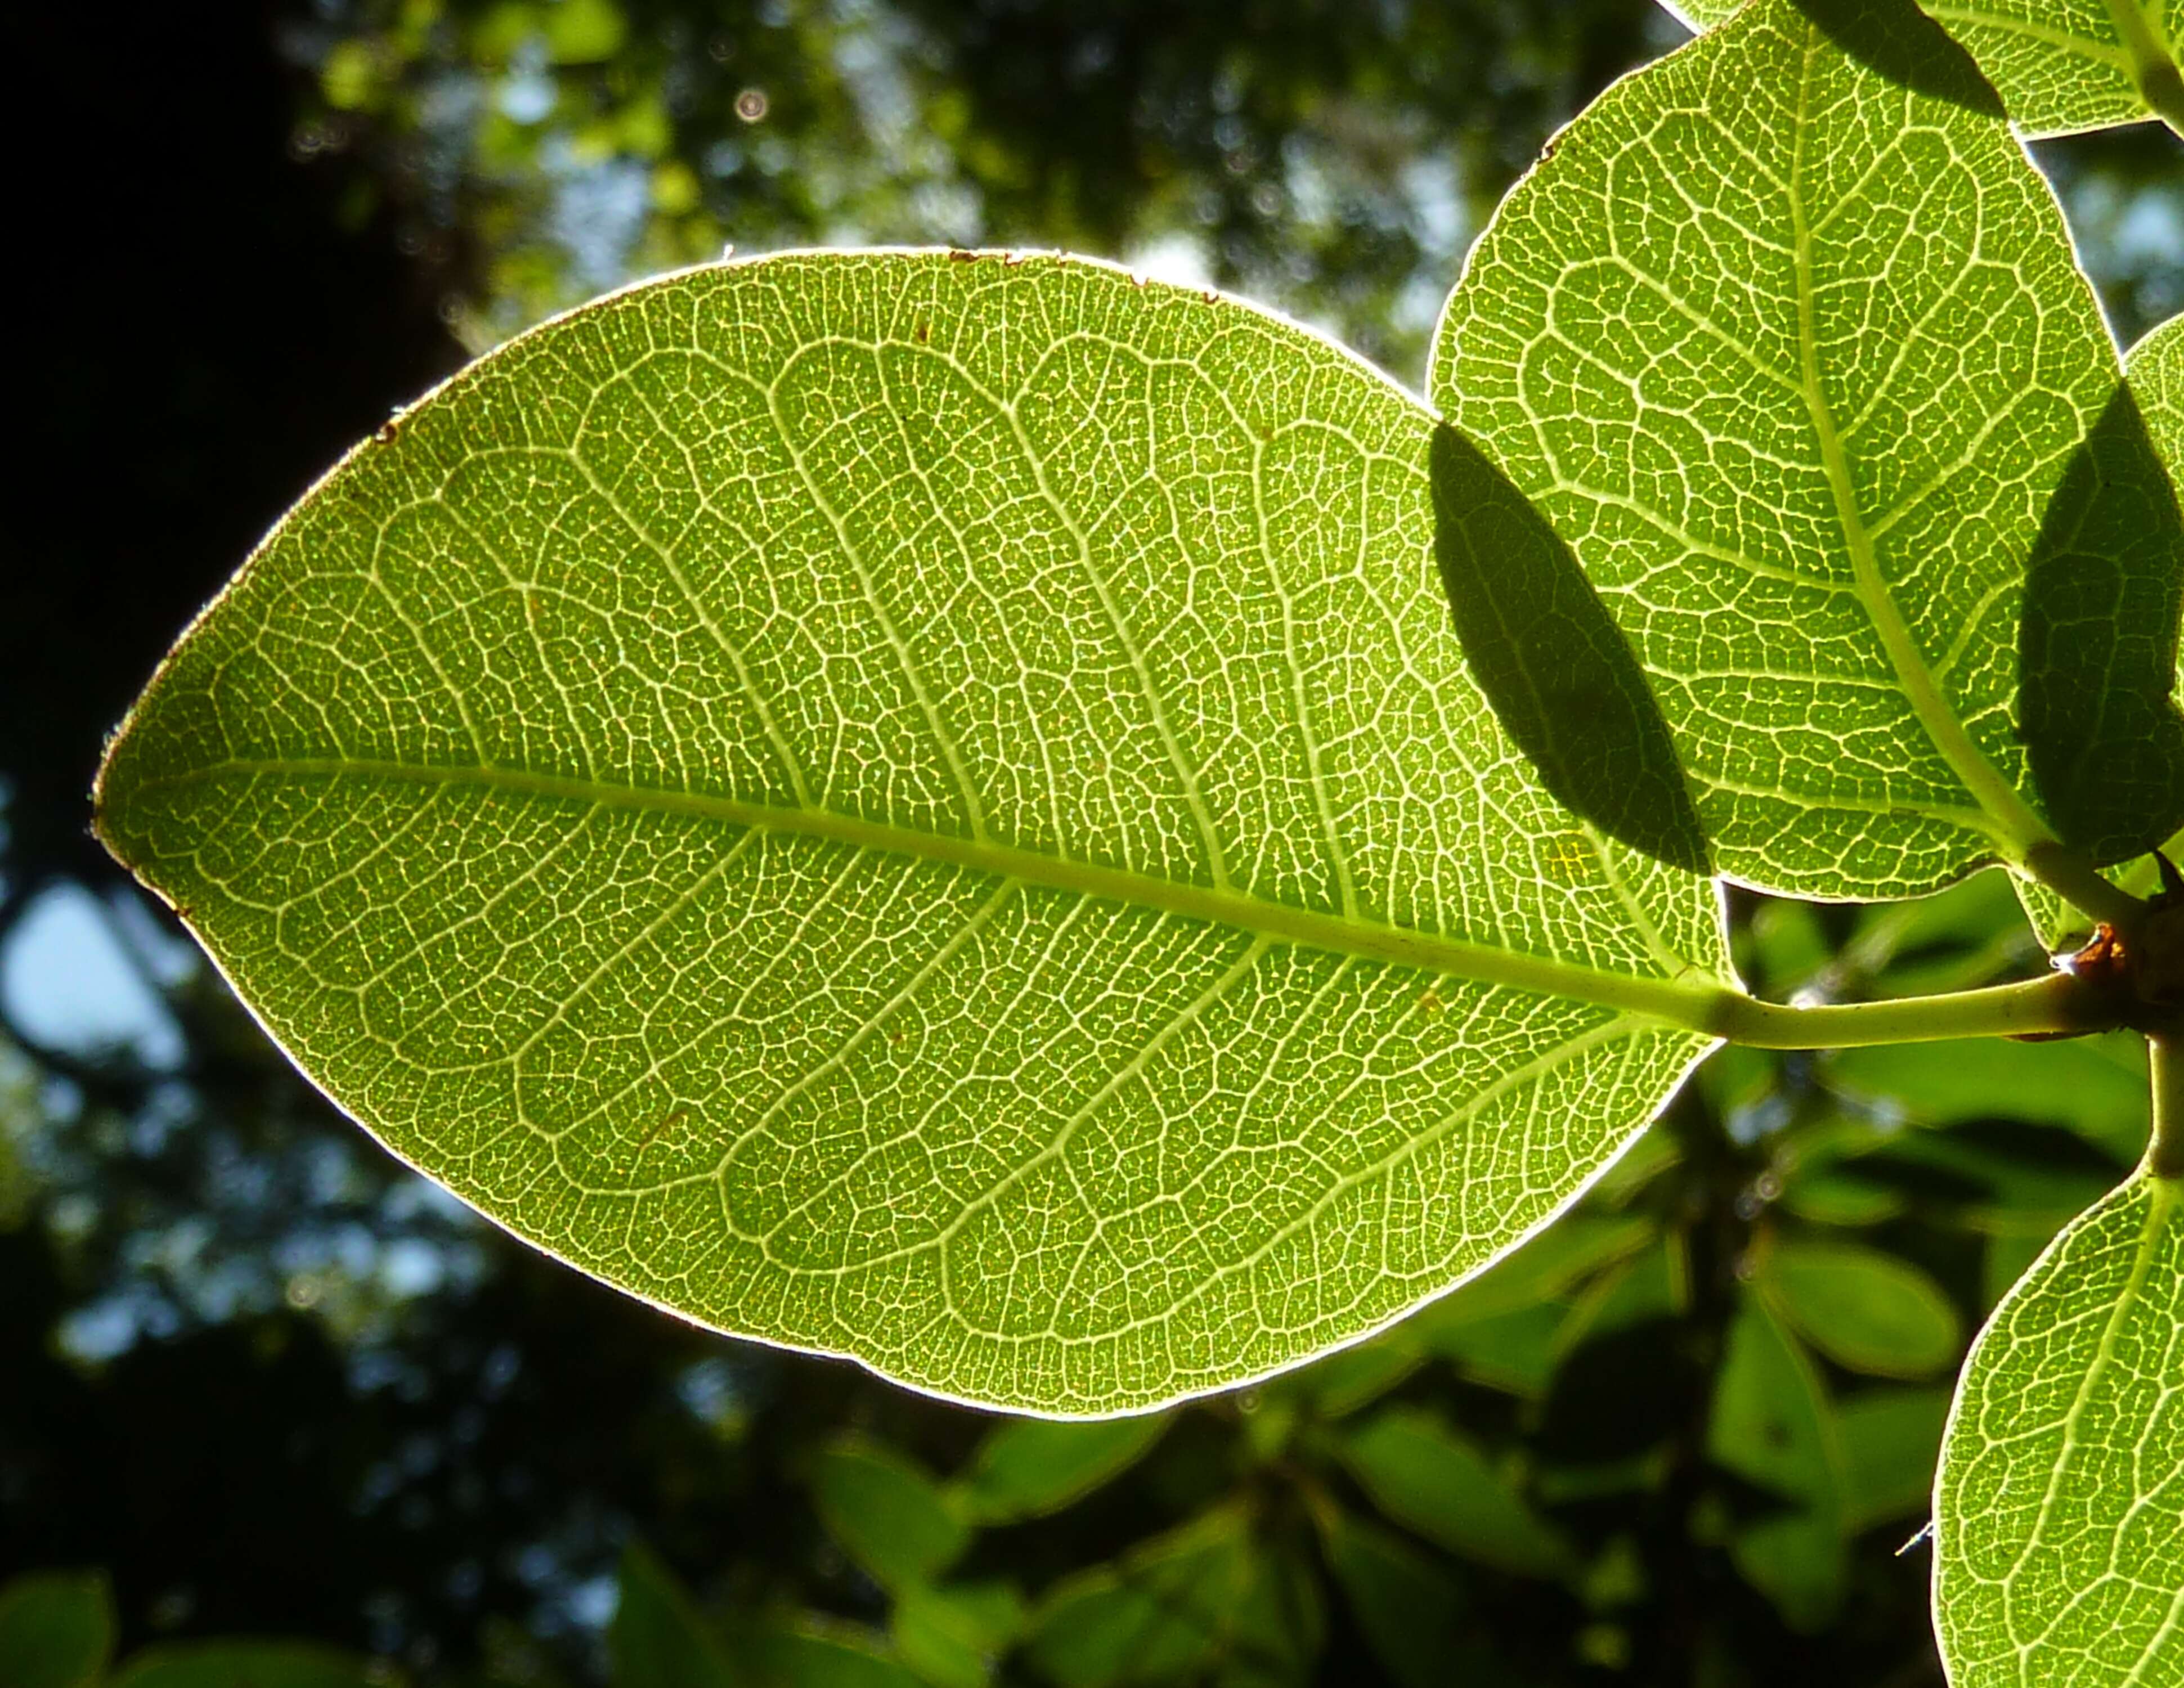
x,y
273,1382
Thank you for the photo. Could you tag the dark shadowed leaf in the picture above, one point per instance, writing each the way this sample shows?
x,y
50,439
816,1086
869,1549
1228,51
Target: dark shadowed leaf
x,y
889,1516
1773,1426
1423,1475
56,1629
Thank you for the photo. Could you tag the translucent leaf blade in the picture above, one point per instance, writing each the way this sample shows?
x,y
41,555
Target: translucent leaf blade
x,y
2059,65
2065,66
1786,342
2059,1501
2155,371
920,807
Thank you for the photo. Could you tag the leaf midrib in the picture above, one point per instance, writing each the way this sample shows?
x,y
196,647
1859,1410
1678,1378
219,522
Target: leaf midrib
x,y
1694,1005
2020,830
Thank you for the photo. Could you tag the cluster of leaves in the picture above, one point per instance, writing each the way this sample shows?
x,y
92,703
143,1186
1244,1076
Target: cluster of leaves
x,y
1726,1367
927,806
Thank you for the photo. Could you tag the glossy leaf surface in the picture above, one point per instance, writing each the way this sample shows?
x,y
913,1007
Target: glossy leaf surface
x,y
923,806
1786,342
2060,1504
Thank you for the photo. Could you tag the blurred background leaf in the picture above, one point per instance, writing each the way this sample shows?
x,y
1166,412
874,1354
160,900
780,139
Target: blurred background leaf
x,y
56,1629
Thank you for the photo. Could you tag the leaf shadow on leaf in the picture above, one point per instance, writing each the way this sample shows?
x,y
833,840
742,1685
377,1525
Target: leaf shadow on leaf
x,y
1561,676
1896,40
2104,588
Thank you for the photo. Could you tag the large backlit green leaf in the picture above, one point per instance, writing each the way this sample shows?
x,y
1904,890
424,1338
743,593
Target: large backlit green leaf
x,y
2155,368
2060,1502
921,806
2059,65
1786,342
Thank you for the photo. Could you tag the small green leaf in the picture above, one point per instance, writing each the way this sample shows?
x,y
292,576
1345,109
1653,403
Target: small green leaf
x,y
1786,340
1889,1438
1864,1309
2010,1254
1841,1198
1425,1476
1409,1608
888,1515
254,1665
1170,1610
657,1639
1773,1425
924,807
1027,1468
953,1637
2059,1553
56,1629
1788,944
